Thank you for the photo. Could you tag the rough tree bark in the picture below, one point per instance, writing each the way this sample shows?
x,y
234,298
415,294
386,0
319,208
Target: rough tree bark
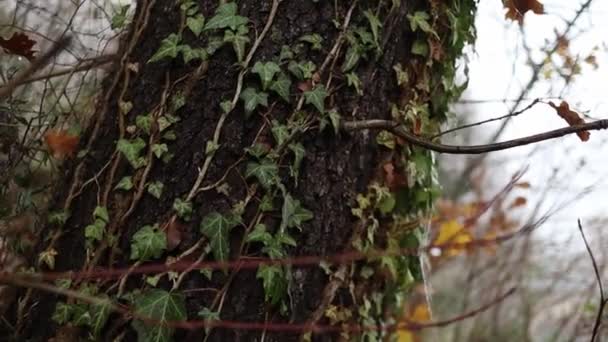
x,y
420,37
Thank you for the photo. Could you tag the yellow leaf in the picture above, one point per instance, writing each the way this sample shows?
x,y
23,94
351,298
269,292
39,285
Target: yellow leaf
x,y
421,313
405,336
453,232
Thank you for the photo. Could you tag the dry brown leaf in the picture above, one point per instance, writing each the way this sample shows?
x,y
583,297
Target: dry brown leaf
x,y
516,9
19,44
174,234
518,202
571,117
60,143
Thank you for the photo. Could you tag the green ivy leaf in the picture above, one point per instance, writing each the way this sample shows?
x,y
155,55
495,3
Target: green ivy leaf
x,y
286,239
353,54
314,39
286,53
58,217
374,24
279,132
211,147
189,53
386,139
159,150
402,76
216,228
162,307
225,16
266,172
334,117
147,243
178,100
144,122
95,231
420,20
266,71
299,152
214,44
156,189
183,209
266,204
259,234
99,314
421,48
120,18
308,69
226,106
63,313
354,81
252,98
281,86
316,97
238,40
293,214
101,213
257,150
169,48
208,316
131,150
166,121
125,183
274,282
196,24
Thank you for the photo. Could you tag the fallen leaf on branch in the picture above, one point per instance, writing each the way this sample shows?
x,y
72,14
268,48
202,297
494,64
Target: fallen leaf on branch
x,y
61,144
19,44
571,117
516,9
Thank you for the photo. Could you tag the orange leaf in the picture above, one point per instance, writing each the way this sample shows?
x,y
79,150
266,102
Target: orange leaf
x,y
516,9
571,117
60,143
518,202
19,44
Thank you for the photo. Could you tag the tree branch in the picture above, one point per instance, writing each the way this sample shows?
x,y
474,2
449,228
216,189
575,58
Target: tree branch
x,y
409,137
38,64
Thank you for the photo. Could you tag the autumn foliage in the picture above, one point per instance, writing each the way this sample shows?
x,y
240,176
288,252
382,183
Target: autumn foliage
x,y
19,44
516,9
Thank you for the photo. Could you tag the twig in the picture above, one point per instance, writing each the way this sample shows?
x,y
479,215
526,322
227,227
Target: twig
x,y
86,65
603,301
479,123
38,64
399,130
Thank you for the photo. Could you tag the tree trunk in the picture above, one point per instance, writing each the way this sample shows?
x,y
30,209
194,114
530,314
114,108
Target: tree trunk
x,y
226,157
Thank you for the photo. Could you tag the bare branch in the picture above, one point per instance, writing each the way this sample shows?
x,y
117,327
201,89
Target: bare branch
x,y
603,301
409,137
